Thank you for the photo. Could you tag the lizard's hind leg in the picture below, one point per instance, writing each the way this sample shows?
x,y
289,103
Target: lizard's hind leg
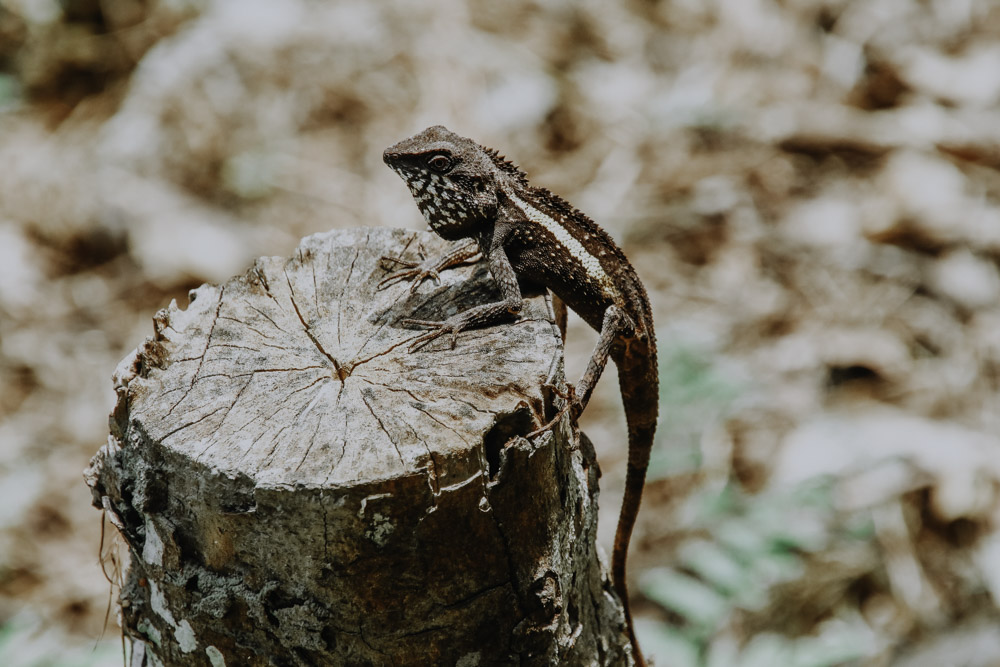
x,y
576,398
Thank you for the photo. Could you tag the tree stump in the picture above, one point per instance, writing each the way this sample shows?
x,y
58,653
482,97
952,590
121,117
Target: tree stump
x,y
296,488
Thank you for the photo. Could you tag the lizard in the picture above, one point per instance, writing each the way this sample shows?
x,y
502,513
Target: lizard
x,y
466,191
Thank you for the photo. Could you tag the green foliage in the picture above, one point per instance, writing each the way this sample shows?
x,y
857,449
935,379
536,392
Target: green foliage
x,y
735,551
10,90
25,642
250,174
694,394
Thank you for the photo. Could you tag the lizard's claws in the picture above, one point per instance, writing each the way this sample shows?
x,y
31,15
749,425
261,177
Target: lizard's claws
x,y
569,405
437,329
417,271
420,271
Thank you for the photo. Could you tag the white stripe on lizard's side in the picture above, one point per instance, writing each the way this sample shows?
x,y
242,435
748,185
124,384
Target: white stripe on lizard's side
x,y
591,264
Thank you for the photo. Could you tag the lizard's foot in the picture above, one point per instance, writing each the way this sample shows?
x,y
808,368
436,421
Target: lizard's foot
x,y
449,327
569,403
416,271
420,271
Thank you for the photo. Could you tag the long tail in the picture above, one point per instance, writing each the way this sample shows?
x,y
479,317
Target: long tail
x,y
639,382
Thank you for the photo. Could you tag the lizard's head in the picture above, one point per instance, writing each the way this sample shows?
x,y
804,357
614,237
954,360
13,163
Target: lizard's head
x,y
453,180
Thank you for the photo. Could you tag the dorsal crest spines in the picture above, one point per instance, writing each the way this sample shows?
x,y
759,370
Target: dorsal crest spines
x,y
506,166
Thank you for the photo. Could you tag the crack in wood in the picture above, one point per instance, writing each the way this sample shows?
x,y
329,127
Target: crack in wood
x,y
281,405
254,442
433,418
387,350
319,314
252,349
270,295
357,253
383,322
345,284
398,390
208,343
364,399
343,445
472,597
236,401
268,317
247,325
229,410
275,442
302,411
305,325
511,567
305,456
343,450
258,370
508,360
479,410
433,480
190,424
339,309
326,525
424,631
288,396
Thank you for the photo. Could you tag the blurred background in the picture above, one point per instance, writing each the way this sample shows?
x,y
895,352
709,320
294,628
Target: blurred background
x,y
810,190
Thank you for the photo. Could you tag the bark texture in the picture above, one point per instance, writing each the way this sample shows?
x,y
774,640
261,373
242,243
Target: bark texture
x,y
297,489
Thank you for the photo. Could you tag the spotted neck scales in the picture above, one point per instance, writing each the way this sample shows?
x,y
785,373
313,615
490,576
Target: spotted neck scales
x,y
442,207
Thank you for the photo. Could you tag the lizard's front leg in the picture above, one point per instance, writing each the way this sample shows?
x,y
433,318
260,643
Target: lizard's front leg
x,y
464,253
480,316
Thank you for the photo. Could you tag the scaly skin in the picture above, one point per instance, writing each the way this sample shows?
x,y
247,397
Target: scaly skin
x,y
466,191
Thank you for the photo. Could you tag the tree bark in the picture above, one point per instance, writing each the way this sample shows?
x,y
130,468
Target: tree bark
x,y
296,488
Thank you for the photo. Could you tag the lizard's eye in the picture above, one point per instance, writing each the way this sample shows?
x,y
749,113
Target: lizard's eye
x,y
440,163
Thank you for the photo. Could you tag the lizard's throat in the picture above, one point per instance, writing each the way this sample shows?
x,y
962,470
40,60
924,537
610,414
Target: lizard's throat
x,y
446,223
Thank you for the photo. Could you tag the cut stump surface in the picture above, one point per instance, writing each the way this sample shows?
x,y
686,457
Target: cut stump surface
x,y
296,487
